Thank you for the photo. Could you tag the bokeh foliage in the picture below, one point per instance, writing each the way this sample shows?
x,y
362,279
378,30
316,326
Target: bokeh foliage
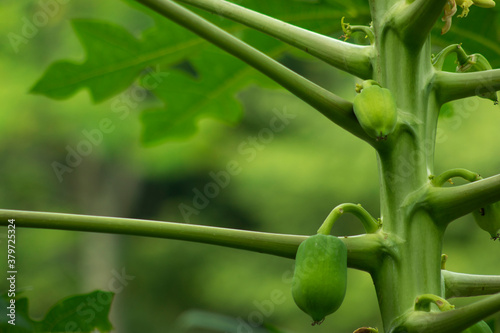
x,y
290,185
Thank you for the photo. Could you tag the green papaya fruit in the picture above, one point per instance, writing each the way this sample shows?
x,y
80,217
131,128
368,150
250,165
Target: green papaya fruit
x,y
320,277
376,111
488,219
479,327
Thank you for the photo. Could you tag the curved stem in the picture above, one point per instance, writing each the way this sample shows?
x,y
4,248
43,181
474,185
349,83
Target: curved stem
x,y
332,106
366,30
364,252
370,224
462,57
353,59
349,29
452,173
439,59
450,321
465,285
423,303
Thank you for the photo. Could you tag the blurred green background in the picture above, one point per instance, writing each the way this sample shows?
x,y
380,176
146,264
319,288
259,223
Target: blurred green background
x,y
289,186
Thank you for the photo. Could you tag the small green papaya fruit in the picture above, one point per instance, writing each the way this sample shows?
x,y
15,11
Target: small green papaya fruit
x,y
376,111
479,327
488,219
320,277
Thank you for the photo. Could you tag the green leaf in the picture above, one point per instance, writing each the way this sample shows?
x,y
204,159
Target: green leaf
x,y
115,58
219,76
23,323
78,313
113,61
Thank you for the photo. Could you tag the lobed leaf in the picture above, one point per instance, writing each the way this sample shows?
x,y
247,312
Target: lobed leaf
x,y
79,313
83,313
115,58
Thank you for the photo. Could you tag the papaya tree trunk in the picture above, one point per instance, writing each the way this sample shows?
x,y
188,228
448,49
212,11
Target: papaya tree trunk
x,y
405,162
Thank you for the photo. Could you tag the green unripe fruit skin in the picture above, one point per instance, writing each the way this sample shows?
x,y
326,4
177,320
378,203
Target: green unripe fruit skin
x,y
480,327
376,111
488,219
320,277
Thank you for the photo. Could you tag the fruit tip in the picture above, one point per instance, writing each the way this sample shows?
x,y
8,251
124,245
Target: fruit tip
x,y
318,322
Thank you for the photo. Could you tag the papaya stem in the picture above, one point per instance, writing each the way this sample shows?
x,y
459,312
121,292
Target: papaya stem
x,y
370,224
416,20
444,259
349,29
364,251
353,59
440,180
423,303
366,30
446,204
438,60
453,86
450,321
465,285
